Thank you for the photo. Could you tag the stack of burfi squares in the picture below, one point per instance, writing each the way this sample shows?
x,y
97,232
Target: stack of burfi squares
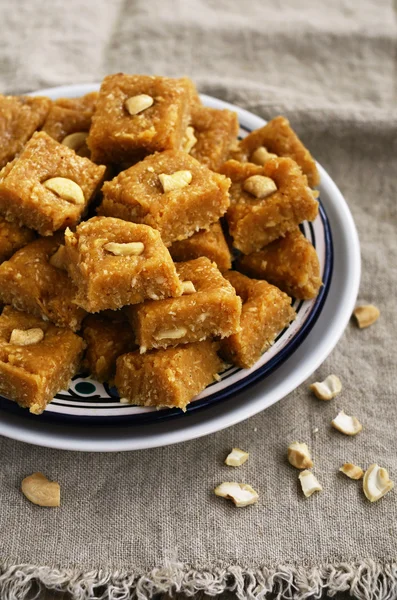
x,y
120,215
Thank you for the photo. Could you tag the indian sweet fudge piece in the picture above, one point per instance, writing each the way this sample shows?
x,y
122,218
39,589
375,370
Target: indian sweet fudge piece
x,y
37,359
31,282
266,201
48,187
12,238
107,337
291,263
21,116
277,138
137,115
211,244
266,311
167,378
170,191
209,307
69,127
86,103
115,263
213,133
69,121
193,92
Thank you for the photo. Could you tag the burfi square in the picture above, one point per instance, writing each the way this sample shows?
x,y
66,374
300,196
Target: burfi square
x,y
291,263
266,311
12,238
31,283
278,137
114,263
211,243
167,378
107,337
69,121
138,195
215,131
48,187
209,307
86,103
122,132
21,116
69,127
37,359
256,221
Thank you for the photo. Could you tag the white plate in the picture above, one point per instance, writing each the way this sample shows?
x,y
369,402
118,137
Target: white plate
x,y
297,368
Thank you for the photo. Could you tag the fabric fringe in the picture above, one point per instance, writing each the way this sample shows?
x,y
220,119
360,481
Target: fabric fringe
x,y
365,580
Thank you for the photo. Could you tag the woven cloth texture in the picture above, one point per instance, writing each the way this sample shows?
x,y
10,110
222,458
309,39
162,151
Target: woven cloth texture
x,y
330,67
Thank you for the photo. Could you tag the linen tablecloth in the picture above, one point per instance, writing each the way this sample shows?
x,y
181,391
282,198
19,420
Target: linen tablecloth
x,y
134,524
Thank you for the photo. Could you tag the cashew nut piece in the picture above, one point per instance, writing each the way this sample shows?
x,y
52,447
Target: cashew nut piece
x,y
41,491
259,186
137,104
241,494
127,249
346,424
176,181
299,456
26,337
352,471
261,156
189,140
376,483
366,315
236,457
327,389
66,189
309,483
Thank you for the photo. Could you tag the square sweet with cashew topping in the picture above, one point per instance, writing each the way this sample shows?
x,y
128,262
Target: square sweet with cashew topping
x,y
266,202
37,359
137,115
48,187
209,307
114,263
32,280
170,191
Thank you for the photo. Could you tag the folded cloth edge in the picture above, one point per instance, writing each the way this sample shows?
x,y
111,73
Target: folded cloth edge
x,y
364,580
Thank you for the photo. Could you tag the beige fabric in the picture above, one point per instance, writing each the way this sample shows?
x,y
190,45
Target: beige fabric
x,y
330,67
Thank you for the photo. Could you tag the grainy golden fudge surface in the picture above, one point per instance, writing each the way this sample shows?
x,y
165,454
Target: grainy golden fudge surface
x,y
72,117
86,103
167,378
137,195
255,222
117,135
25,197
31,283
290,262
12,238
266,311
106,338
208,309
279,138
32,374
21,116
61,122
215,131
211,244
108,277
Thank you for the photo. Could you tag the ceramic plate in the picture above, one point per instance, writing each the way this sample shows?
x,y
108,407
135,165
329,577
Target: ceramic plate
x,y
88,401
86,398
